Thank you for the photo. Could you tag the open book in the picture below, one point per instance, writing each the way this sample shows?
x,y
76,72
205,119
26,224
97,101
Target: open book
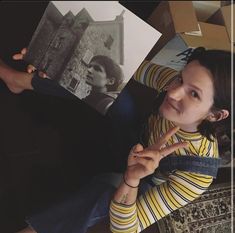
x,y
91,48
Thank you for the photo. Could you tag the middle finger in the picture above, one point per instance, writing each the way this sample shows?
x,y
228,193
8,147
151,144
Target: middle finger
x,y
163,140
169,149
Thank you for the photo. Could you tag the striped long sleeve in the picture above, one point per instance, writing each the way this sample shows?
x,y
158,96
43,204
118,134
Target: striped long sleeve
x,y
180,189
154,76
124,217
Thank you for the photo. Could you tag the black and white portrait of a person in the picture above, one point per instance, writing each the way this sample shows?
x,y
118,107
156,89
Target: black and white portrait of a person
x,y
92,48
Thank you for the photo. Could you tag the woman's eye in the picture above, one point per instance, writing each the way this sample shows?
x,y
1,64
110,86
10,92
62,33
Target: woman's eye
x,y
194,94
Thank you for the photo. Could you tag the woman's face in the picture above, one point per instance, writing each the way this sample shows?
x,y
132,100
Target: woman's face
x,y
189,98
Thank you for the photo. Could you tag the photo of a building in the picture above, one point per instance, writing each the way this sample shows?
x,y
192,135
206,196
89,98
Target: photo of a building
x,y
65,43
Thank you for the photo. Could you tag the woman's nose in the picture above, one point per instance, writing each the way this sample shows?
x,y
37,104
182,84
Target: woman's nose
x,y
176,92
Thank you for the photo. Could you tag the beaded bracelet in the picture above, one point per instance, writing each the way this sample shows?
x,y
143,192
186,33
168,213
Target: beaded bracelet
x,y
128,184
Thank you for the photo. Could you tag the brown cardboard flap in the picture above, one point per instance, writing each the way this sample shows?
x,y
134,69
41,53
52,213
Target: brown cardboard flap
x,y
223,17
173,17
161,18
226,12
183,16
216,18
213,37
204,9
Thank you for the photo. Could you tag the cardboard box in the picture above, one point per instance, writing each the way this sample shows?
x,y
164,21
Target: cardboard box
x,y
175,53
225,3
181,33
205,9
223,17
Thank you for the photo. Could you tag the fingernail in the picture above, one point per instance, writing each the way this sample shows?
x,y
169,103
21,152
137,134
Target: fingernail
x,y
134,153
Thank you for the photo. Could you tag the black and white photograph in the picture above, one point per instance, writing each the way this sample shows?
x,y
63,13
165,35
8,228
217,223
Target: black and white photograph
x,y
90,48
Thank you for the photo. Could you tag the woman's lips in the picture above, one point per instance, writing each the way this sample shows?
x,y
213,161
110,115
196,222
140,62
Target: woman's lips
x,y
172,105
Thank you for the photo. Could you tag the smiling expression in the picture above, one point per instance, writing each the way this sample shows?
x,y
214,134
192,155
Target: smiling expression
x,y
189,98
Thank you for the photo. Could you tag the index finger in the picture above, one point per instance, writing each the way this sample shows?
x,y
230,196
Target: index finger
x,y
163,140
170,149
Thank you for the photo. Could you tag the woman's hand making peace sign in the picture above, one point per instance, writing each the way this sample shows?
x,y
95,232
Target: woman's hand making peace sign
x,y
143,161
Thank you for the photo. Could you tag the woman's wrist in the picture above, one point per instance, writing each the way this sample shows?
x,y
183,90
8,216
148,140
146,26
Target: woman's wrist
x,y
131,182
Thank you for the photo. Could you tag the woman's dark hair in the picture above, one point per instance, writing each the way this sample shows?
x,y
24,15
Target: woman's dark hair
x,y
218,62
112,70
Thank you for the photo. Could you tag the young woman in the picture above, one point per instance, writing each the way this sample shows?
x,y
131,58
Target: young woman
x,y
196,101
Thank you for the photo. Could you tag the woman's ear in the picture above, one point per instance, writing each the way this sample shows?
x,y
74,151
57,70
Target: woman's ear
x,y
218,115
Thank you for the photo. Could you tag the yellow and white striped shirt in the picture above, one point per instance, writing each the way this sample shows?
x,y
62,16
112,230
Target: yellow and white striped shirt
x,y
171,191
